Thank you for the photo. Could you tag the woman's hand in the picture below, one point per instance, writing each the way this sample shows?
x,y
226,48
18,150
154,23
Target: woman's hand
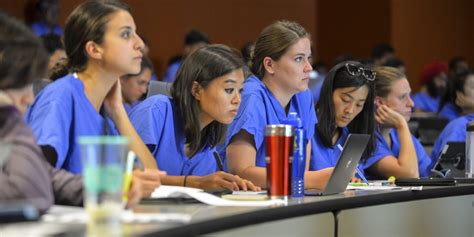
x,y
113,101
135,193
220,181
149,179
389,118
466,104
355,180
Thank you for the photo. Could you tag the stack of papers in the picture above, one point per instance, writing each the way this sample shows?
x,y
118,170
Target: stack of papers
x,y
165,191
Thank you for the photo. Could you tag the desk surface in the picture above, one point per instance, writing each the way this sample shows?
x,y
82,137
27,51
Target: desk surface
x,y
207,219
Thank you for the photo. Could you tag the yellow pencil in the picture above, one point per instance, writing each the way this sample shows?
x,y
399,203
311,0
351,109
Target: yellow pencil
x,y
127,179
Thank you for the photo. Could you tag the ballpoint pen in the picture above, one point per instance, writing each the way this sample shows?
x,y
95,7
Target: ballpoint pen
x,y
218,161
361,175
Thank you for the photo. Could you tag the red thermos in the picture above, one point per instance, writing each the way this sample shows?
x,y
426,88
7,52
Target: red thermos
x,y
279,148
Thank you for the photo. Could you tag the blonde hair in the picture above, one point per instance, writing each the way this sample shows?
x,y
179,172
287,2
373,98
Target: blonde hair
x,y
384,79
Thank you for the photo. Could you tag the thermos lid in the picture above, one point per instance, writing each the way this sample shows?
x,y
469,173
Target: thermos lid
x,y
470,126
279,130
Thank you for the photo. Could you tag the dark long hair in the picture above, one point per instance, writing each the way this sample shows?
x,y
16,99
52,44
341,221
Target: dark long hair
x,y
364,122
86,23
202,66
455,84
23,58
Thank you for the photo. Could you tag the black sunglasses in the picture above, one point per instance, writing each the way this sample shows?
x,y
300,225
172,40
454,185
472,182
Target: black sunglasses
x,y
355,70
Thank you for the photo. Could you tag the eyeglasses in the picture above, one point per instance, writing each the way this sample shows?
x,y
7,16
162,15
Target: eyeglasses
x,y
356,71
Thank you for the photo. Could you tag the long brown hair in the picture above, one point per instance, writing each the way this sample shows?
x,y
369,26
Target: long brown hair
x,y
202,66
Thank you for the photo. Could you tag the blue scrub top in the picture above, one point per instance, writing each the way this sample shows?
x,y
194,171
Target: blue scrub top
x,y
60,114
425,102
324,157
40,29
383,149
455,131
160,126
170,73
450,111
260,108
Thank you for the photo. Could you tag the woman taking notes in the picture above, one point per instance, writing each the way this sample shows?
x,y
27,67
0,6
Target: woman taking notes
x,y
345,106
182,131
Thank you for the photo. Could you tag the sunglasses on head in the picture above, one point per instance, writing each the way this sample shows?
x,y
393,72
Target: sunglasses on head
x,y
356,70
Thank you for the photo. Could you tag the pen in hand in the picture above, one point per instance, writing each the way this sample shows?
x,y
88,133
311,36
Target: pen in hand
x,y
361,175
218,161
127,179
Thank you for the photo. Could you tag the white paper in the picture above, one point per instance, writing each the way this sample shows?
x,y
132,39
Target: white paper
x,y
126,217
165,191
379,187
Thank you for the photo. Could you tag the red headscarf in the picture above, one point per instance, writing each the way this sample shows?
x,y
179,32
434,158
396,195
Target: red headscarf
x,y
432,70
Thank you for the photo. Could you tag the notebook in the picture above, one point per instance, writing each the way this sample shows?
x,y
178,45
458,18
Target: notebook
x,y
350,156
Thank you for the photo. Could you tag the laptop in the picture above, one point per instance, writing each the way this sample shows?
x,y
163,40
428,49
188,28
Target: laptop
x,y
452,160
350,156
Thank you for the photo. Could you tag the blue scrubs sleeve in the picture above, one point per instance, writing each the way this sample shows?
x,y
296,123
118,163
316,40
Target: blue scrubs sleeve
x,y
381,151
448,135
51,121
148,123
251,119
320,156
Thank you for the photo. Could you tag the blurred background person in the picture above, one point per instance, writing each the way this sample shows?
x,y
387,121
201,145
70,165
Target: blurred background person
x,y
381,53
134,86
396,63
193,41
45,18
54,47
434,82
456,102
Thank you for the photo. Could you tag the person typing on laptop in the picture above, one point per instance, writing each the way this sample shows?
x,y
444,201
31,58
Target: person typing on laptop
x,y
345,106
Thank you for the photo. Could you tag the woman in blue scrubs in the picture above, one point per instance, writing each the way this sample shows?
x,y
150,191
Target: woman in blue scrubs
x,y
182,131
345,106
281,64
398,152
101,45
455,131
454,103
433,80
